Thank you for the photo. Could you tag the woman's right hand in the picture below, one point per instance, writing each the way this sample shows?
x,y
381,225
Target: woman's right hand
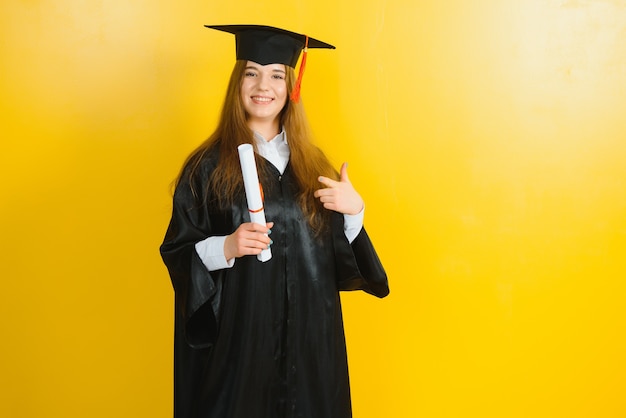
x,y
249,239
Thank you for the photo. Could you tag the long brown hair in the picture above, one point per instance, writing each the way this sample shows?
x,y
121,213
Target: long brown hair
x,y
306,160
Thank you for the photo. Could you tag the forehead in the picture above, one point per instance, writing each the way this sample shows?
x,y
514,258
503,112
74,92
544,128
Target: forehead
x,y
268,67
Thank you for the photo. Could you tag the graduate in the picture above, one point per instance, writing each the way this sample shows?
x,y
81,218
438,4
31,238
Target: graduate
x,y
265,339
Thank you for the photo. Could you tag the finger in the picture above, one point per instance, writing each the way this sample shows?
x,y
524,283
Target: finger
x,y
255,227
248,227
322,192
343,173
326,181
330,206
259,236
260,243
251,250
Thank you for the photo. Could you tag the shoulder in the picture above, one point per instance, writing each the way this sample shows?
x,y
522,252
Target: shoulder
x,y
199,164
196,171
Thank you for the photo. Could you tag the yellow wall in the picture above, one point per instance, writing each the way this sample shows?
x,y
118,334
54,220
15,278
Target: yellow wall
x,y
488,138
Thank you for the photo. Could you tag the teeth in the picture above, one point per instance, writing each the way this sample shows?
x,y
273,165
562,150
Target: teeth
x,y
261,99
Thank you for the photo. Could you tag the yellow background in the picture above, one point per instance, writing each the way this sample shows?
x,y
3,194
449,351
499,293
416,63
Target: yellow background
x,y
487,137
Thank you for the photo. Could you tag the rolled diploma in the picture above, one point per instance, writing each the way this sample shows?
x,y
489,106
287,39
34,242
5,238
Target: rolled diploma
x,y
253,191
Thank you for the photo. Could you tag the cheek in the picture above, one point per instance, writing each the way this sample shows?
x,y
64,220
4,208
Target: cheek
x,y
281,89
245,87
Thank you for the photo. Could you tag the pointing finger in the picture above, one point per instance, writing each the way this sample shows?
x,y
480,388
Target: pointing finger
x,y
326,181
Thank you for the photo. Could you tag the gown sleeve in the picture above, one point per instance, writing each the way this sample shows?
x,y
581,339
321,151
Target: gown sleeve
x,y
197,290
358,265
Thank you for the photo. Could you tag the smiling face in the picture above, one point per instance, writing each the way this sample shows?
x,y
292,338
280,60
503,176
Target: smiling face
x,y
264,94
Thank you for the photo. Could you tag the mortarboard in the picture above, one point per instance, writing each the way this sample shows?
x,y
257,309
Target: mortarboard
x,y
269,45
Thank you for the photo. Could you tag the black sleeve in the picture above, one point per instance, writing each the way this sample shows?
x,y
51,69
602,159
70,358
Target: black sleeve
x,y
358,265
197,290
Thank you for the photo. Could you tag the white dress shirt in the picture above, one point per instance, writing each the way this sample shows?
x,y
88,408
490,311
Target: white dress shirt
x,y
276,151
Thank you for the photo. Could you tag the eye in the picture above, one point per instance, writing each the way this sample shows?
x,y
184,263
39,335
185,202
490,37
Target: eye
x,y
278,77
250,74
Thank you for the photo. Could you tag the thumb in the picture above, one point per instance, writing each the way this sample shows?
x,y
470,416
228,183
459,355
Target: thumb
x,y
343,173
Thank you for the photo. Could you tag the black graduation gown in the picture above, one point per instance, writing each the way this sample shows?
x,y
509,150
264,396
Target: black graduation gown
x,y
263,340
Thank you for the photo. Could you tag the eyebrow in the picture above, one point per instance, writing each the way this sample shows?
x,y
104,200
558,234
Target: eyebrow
x,y
275,70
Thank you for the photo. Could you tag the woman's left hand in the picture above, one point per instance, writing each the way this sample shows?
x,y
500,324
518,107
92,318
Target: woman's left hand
x,y
340,196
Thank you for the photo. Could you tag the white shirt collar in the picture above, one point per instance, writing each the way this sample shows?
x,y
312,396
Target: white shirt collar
x,y
276,151
280,138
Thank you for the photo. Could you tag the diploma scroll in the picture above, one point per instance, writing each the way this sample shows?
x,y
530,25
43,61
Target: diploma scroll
x,y
253,191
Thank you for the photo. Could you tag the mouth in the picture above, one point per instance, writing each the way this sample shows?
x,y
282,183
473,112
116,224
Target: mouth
x,y
261,99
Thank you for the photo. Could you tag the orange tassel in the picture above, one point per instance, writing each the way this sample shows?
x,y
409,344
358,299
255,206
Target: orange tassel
x,y
295,93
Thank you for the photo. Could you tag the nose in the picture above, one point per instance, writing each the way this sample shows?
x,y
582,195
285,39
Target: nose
x,y
263,81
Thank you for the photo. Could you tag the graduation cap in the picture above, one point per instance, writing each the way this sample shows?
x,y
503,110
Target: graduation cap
x,y
269,45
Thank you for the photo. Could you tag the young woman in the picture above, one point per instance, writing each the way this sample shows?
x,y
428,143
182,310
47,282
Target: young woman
x,y
265,339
